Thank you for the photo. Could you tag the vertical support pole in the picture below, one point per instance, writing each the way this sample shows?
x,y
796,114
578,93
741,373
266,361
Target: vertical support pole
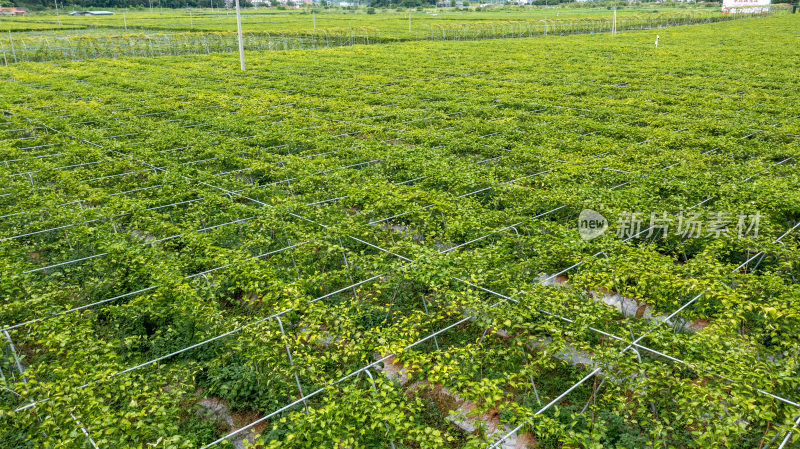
x,y
375,389
191,20
291,362
409,20
536,391
635,349
614,28
239,31
3,375
349,275
16,358
391,303
314,15
58,17
11,40
425,305
593,395
21,371
125,20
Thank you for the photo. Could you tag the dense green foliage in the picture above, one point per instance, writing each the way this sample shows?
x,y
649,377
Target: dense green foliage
x,y
170,227
391,22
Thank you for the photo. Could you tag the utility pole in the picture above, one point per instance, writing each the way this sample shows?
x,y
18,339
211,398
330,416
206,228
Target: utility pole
x,y
239,31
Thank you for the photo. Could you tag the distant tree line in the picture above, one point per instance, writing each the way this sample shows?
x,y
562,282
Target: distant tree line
x,y
100,4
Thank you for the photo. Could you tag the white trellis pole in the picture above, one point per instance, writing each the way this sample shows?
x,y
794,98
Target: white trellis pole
x,y
409,20
125,20
614,28
58,17
314,15
239,31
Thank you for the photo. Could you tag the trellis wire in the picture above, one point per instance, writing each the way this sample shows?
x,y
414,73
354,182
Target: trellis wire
x,y
658,324
434,337
633,344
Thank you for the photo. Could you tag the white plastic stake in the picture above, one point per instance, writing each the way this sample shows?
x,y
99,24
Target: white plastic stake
x,y
191,20
58,17
239,31
125,20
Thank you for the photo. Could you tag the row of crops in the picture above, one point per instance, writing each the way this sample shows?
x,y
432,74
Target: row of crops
x,y
49,47
343,249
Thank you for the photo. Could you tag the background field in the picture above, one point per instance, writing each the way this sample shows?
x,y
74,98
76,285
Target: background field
x,y
391,22
347,246
45,38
